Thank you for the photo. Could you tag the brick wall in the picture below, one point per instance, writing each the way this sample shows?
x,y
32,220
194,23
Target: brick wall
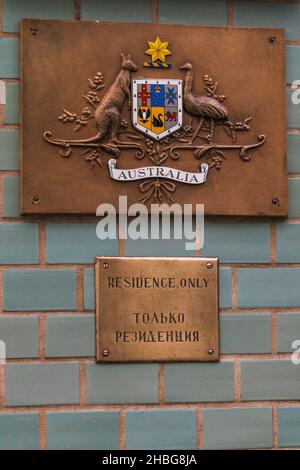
x,y
52,394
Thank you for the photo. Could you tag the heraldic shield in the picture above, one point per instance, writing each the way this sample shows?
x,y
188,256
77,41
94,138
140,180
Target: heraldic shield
x,y
157,106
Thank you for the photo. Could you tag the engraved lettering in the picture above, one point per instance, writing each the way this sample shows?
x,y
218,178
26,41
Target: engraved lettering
x,y
157,282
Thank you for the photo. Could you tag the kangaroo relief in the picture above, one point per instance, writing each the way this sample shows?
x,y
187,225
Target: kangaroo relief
x,y
107,113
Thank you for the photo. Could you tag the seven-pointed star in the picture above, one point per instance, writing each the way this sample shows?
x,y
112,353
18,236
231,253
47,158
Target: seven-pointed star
x,y
158,50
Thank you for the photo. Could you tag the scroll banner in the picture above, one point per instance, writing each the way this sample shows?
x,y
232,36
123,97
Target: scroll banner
x,y
158,172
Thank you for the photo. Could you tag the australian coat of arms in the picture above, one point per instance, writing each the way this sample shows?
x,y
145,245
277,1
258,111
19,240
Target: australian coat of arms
x,y
168,121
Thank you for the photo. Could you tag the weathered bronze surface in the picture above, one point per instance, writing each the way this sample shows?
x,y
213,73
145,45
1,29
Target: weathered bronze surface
x,y
157,309
85,117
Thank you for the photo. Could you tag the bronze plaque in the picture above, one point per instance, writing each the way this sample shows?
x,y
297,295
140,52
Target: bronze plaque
x,y
157,309
160,113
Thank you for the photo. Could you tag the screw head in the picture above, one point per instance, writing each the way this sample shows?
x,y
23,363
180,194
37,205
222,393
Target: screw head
x,y
272,39
105,265
35,199
210,351
275,201
209,265
105,352
33,31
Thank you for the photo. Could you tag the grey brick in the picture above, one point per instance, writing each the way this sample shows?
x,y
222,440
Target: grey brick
x,y
39,289
118,10
20,335
245,334
76,243
270,380
206,12
19,431
287,242
83,430
11,196
161,429
14,10
19,243
289,426
237,242
42,384
288,331
89,289
122,383
239,428
187,382
9,144
70,336
268,287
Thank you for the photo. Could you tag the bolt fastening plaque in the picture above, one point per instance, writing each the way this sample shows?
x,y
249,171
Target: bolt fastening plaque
x,y
159,113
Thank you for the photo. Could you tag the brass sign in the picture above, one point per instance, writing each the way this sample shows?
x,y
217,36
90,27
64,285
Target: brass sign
x,y
159,113
157,309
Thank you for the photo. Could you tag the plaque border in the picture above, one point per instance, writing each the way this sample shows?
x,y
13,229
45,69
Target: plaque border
x,y
100,359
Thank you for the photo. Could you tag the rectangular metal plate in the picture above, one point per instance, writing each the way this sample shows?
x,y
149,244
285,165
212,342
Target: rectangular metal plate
x,y
157,309
247,177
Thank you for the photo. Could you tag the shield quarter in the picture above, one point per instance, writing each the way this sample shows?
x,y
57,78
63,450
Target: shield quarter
x,y
157,106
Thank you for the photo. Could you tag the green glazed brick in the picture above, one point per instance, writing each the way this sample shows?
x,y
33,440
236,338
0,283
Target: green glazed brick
x,y
149,247
292,62
293,146
206,12
70,336
12,108
20,335
225,287
19,431
11,196
14,10
9,149
259,14
205,382
288,331
9,53
42,384
270,380
39,289
268,287
245,333
118,10
76,243
19,243
238,428
121,383
85,430
289,426
237,242
294,198
287,242
161,246
89,289
161,429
